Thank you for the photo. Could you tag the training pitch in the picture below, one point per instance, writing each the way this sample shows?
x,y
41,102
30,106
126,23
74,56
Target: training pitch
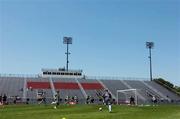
x,y
89,112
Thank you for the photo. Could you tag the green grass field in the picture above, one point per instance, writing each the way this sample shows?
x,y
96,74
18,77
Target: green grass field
x,y
89,112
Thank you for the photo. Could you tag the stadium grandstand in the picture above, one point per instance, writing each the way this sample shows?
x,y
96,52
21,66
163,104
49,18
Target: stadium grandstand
x,y
72,83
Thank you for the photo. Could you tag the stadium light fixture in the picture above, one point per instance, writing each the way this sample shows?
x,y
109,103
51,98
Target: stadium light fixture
x,y
67,40
150,45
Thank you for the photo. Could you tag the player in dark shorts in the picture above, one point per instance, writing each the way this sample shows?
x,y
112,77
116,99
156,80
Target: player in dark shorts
x,y
132,100
108,99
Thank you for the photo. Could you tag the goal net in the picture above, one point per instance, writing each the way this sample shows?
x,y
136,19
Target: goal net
x,y
127,96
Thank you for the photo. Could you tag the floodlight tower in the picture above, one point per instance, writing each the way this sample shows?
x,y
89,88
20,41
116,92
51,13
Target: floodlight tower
x,y
67,40
150,45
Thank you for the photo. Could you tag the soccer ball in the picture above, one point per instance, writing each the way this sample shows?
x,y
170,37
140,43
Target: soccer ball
x,y
63,118
55,107
100,109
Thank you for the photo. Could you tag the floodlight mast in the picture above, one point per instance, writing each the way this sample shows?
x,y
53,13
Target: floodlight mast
x,y
67,40
150,45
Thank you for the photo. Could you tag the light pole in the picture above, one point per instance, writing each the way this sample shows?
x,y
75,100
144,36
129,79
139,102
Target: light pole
x,y
150,45
67,40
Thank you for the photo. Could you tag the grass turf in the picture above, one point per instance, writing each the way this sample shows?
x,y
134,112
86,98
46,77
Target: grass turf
x,y
89,112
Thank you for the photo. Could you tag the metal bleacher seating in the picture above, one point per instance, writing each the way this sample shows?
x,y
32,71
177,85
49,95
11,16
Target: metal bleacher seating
x,y
81,87
166,92
11,86
114,85
93,88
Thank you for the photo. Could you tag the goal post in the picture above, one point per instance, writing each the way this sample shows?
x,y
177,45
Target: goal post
x,y
123,96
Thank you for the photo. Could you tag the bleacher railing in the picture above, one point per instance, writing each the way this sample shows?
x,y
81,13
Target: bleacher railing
x,y
21,75
114,78
85,77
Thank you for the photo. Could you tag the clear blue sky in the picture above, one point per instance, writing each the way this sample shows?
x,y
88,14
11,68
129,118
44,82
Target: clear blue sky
x,y
108,36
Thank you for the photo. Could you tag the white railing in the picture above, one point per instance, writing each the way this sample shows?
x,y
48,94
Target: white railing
x,y
52,87
86,77
114,78
21,75
81,88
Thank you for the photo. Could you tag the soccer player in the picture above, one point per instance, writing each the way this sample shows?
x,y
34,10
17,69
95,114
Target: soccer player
x,y
132,100
108,99
4,99
88,99
67,100
58,97
1,100
44,98
55,103
76,99
154,100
